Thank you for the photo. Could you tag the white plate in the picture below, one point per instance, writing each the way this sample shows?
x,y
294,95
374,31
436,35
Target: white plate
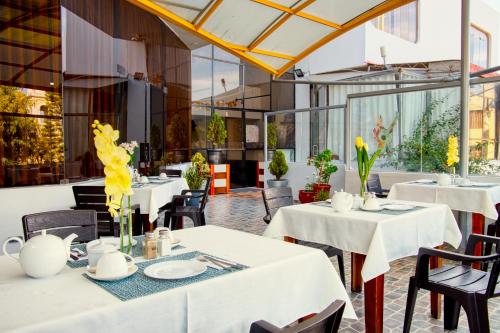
x,y
175,269
112,240
131,271
372,210
398,207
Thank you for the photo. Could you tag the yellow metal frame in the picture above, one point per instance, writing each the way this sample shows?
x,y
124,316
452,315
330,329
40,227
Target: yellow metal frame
x,y
242,51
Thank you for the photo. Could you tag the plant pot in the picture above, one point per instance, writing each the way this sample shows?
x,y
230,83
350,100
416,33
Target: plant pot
x,y
306,196
321,187
277,183
270,154
215,156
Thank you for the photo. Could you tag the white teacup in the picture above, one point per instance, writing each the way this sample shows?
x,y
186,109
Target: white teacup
x,y
96,249
113,264
465,181
163,175
371,204
144,180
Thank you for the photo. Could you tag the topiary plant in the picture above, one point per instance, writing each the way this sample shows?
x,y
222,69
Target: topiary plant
x,y
216,130
278,166
272,138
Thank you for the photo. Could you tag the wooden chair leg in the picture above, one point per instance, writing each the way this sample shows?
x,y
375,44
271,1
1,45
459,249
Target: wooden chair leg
x,y
471,310
451,313
340,259
410,305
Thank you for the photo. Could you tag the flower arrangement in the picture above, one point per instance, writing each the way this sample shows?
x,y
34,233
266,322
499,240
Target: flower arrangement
x,y
452,153
365,162
323,163
117,183
130,147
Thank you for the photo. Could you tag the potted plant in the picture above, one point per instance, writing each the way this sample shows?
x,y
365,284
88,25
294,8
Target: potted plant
x,y
216,134
196,175
323,163
307,194
272,140
321,195
278,168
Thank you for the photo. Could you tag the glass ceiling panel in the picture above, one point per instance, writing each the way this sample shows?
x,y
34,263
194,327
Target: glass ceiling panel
x,y
306,32
240,29
340,11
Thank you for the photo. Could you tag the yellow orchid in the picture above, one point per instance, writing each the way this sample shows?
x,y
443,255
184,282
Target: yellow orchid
x,y
365,145
365,162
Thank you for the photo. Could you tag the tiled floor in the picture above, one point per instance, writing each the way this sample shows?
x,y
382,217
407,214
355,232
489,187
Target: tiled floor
x,y
244,209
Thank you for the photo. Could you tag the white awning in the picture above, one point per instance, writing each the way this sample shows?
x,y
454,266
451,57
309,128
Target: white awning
x,y
272,35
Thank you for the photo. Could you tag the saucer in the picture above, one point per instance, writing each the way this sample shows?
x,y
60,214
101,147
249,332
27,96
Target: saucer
x,y
372,210
131,271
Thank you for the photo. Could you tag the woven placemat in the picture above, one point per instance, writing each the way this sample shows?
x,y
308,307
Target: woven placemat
x,y
139,285
396,212
136,252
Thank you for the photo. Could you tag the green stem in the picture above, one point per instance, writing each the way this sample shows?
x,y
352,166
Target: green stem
x,y
129,226
121,225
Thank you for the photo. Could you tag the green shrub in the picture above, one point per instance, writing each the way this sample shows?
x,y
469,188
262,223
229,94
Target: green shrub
x,y
193,179
216,130
323,163
278,166
272,138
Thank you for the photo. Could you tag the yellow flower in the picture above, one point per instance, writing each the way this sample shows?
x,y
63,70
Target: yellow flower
x,y
452,153
359,142
365,145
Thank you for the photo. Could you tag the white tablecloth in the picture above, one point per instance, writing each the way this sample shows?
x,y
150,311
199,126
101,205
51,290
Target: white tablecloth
x,y
285,282
465,199
151,197
381,237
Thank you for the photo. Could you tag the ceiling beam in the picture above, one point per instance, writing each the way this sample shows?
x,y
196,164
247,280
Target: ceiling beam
x,y
25,46
207,13
45,11
188,26
34,62
287,14
4,63
382,8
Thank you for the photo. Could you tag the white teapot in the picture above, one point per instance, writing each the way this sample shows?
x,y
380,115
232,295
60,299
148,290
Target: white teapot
x,y
443,179
342,201
43,255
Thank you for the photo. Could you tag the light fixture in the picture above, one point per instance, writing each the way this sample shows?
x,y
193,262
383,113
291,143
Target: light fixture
x,y
51,84
383,54
298,72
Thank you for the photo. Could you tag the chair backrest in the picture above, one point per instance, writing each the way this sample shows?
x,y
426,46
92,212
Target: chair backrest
x,y
373,183
275,198
327,320
94,198
205,193
62,223
488,249
172,172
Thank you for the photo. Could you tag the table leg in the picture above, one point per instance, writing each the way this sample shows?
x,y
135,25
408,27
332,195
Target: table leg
x,y
357,261
146,225
478,228
436,262
374,305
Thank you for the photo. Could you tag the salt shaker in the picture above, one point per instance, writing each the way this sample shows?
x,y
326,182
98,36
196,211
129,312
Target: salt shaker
x,y
149,246
164,244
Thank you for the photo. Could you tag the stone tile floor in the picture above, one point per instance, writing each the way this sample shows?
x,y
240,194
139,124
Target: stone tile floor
x,y
243,210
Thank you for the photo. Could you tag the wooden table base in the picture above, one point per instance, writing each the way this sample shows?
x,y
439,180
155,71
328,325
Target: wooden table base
x,y
374,305
436,262
478,228
357,261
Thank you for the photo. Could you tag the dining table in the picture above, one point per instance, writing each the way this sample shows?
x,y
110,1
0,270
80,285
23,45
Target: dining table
x,y
479,199
275,281
374,238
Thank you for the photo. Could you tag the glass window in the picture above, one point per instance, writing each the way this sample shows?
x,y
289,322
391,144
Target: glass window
x,y
201,80
478,47
401,22
31,136
228,85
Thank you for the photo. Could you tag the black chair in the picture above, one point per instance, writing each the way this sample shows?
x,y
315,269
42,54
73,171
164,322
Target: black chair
x,y
461,285
94,198
172,172
327,320
277,197
492,230
62,223
373,185
191,203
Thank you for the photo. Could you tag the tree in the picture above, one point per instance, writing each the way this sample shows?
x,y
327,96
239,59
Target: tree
x,y
216,131
52,143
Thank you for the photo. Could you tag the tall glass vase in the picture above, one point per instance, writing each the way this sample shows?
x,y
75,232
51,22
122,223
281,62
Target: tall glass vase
x,y
362,189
